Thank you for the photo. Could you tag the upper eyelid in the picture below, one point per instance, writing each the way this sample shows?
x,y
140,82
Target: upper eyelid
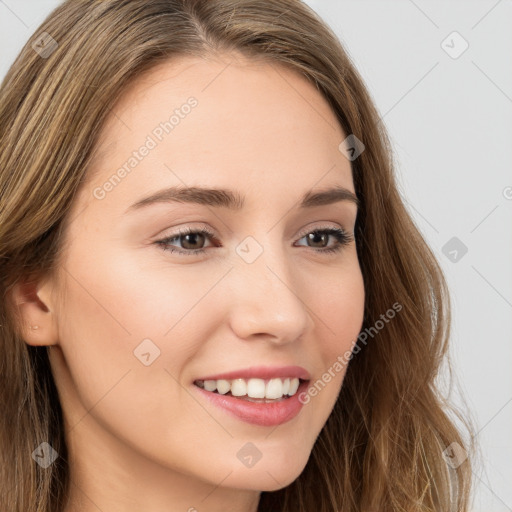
x,y
211,234
204,228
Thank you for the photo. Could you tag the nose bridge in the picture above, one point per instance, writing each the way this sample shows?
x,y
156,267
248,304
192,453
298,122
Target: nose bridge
x,y
266,300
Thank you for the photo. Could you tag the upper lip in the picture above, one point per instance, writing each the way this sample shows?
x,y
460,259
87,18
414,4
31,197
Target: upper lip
x,y
262,372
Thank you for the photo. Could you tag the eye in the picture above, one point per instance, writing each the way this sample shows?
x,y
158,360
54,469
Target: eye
x,y
323,234
191,238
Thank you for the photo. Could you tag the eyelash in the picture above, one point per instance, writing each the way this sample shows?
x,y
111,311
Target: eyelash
x,y
343,239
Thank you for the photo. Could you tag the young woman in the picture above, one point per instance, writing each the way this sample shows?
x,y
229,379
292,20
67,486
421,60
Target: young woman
x,y
213,297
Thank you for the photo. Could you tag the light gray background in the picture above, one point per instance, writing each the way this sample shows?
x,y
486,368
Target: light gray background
x,y
450,121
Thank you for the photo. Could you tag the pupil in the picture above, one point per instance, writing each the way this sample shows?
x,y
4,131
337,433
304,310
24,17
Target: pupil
x,y
313,236
191,235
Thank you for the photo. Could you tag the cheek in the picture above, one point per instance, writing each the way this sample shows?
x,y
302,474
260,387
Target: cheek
x,y
120,299
106,316
339,307
121,313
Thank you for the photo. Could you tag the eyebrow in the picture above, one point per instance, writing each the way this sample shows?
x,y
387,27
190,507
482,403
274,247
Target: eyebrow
x,y
233,200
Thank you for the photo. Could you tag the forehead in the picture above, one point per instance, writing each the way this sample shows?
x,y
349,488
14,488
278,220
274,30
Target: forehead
x,y
252,123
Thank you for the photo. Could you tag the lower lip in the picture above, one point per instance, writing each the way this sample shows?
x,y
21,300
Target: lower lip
x,y
258,413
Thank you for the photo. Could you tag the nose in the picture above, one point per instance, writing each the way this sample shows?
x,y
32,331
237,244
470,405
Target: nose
x,y
267,300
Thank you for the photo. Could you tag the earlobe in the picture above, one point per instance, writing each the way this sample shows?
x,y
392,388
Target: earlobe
x,y
38,316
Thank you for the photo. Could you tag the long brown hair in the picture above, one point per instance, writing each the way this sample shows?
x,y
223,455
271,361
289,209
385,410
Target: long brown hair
x,y
382,447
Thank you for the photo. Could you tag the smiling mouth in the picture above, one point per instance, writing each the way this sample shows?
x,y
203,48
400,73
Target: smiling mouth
x,y
253,390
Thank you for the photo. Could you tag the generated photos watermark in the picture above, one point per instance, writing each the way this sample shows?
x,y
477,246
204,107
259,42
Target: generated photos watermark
x,y
343,359
152,140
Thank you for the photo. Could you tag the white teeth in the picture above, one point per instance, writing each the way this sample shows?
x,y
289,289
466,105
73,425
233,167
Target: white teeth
x,y
210,385
223,386
294,385
256,388
253,388
274,389
238,387
286,386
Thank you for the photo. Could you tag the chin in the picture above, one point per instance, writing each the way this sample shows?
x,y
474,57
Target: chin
x,y
271,475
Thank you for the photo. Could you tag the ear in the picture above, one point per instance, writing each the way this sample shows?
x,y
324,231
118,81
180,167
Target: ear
x,y
37,312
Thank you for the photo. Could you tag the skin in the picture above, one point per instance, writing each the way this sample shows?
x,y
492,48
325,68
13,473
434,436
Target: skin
x,y
137,438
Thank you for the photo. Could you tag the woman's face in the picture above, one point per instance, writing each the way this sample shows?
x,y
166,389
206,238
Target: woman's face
x,y
139,325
